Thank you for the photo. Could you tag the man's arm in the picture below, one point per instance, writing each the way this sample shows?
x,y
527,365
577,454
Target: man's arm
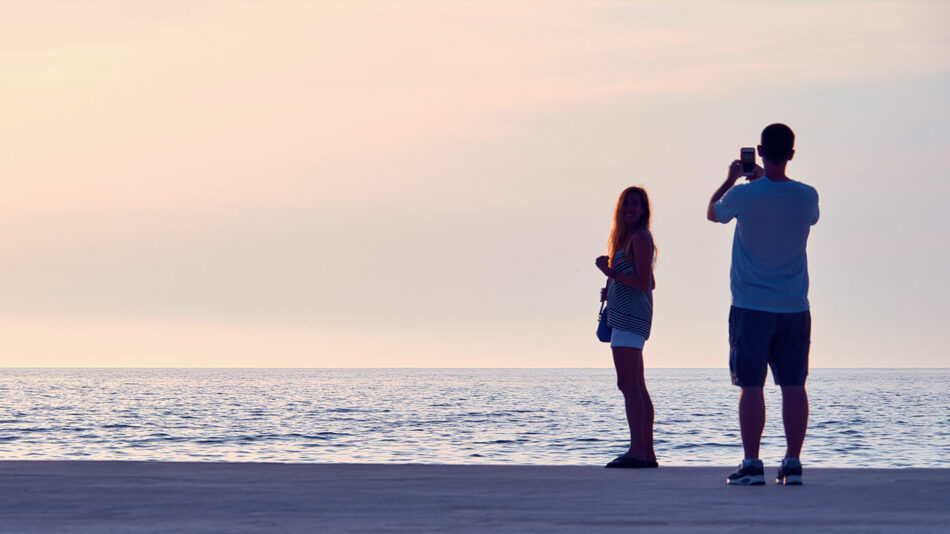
x,y
814,216
710,212
735,171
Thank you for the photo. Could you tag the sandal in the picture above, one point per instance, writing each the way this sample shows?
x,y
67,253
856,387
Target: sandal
x,y
628,462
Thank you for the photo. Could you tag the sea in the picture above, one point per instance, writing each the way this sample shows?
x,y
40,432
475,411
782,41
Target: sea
x,y
880,418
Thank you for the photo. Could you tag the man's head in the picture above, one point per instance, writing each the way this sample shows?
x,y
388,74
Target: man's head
x,y
778,143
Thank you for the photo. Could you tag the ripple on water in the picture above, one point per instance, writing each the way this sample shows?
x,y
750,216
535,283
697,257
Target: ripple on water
x,y
546,416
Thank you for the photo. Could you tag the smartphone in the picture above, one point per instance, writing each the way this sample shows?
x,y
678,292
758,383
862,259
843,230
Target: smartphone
x,y
747,158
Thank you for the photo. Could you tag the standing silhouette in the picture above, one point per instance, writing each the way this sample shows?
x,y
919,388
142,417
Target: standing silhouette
x,y
770,318
629,269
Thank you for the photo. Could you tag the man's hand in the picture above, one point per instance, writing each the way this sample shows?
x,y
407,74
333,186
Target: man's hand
x,y
735,171
758,173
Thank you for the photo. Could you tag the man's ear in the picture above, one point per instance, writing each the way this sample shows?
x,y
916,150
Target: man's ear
x,y
758,149
791,155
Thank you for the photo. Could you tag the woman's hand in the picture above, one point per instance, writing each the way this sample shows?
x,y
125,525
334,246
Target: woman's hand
x,y
601,263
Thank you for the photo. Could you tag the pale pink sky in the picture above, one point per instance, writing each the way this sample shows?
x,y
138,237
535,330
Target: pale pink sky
x,y
427,184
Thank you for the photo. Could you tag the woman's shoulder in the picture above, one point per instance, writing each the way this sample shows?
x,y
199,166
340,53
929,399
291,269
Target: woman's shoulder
x,y
643,237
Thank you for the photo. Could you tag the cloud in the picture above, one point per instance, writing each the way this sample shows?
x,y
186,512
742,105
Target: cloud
x,y
238,104
179,166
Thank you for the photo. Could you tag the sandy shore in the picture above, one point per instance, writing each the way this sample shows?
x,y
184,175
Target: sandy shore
x,y
136,497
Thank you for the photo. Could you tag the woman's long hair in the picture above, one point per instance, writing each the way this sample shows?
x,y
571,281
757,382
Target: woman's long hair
x,y
621,234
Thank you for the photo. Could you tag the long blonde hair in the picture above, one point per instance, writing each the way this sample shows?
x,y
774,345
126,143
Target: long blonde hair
x,y
621,236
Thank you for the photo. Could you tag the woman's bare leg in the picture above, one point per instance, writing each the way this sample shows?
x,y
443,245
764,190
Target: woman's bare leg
x,y
646,424
637,403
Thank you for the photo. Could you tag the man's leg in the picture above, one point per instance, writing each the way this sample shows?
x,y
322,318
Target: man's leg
x,y
790,368
795,418
749,334
751,419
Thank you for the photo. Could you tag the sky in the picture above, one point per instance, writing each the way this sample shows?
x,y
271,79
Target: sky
x,y
415,184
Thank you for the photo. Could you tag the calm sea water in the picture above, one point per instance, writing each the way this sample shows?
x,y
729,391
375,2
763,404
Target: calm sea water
x,y
859,418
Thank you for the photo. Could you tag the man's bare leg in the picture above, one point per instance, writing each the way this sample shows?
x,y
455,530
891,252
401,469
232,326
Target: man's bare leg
x,y
795,419
751,420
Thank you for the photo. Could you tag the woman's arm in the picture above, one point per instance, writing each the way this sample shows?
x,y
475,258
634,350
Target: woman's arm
x,y
642,260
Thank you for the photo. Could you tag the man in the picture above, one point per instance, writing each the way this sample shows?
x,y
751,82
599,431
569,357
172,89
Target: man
x,y
769,322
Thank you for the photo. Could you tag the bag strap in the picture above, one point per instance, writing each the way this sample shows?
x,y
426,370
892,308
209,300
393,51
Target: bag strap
x,y
603,301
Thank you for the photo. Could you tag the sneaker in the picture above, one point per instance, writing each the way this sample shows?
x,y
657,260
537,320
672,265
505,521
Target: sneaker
x,y
750,473
790,473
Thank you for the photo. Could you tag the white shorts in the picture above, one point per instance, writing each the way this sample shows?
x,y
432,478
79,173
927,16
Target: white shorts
x,y
622,338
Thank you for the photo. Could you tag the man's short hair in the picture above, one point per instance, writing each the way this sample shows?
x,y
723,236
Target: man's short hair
x,y
778,141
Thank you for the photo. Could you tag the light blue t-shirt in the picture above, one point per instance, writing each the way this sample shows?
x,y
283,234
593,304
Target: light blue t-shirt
x,y
769,264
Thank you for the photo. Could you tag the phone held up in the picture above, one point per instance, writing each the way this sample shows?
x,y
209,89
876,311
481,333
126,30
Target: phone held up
x,y
747,159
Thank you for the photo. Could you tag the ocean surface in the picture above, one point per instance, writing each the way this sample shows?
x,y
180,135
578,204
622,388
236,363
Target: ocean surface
x,y
888,418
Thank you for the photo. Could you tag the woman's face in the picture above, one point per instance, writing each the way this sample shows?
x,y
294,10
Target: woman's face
x,y
632,208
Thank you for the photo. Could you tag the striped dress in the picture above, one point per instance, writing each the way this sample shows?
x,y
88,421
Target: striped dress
x,y
628,309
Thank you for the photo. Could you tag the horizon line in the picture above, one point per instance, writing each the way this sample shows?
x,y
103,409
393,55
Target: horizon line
x,y
397,367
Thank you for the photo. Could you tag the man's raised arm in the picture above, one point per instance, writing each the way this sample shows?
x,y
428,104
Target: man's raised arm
x,y
735,171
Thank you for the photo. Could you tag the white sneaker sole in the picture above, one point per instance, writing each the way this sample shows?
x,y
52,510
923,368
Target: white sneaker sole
x,y
790,480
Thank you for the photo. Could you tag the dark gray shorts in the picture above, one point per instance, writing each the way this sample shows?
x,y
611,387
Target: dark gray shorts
x,y
759,340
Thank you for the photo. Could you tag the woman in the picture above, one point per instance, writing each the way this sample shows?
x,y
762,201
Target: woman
x,y
629,269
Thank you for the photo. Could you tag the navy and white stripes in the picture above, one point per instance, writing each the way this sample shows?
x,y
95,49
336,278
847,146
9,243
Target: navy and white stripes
x,y
628,308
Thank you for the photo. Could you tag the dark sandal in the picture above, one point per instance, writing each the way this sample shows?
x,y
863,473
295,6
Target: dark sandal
x,y
628,462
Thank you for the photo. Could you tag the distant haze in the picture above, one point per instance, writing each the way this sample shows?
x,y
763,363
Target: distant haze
x,y
392,184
